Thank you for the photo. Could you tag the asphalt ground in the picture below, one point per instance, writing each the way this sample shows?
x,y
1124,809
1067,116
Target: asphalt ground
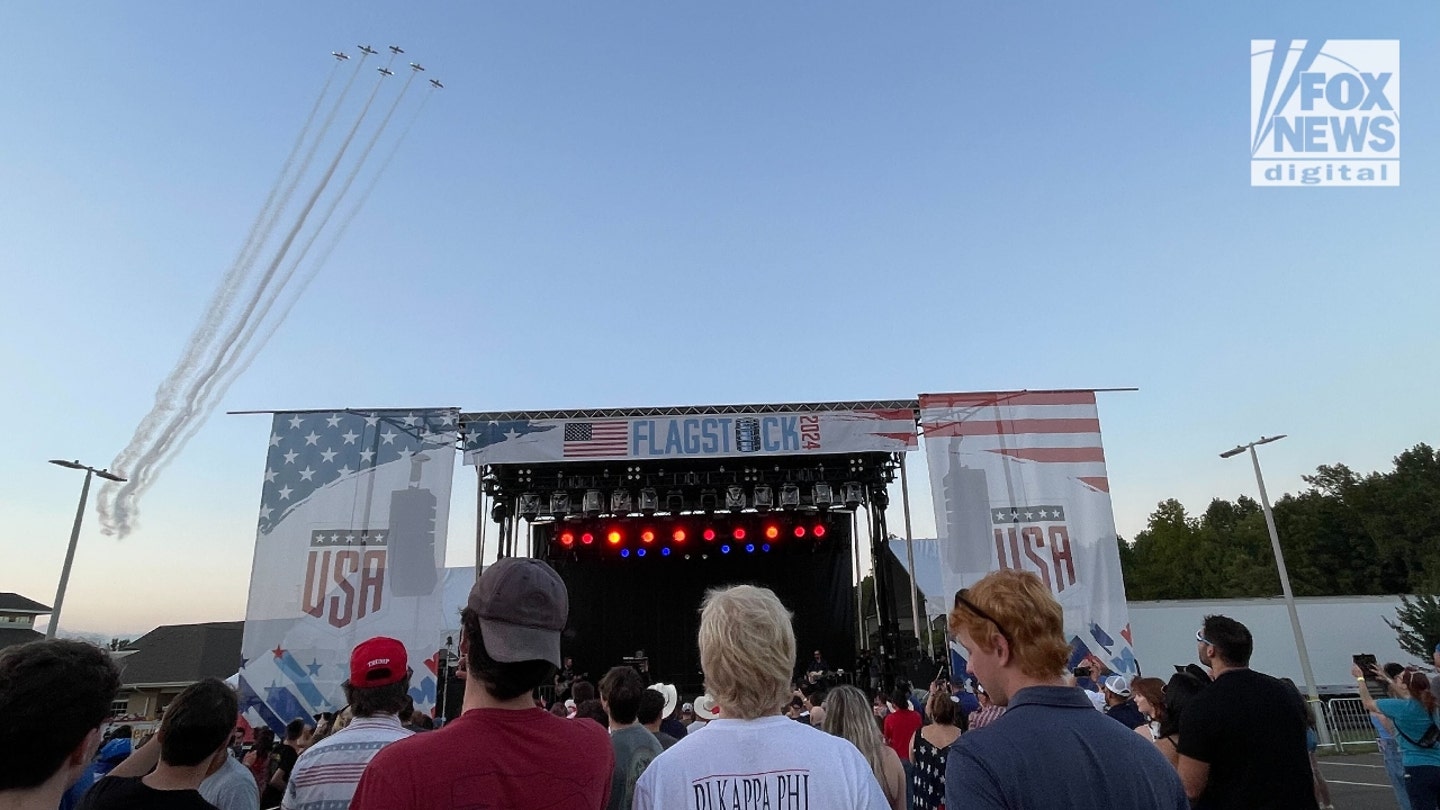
x,y
1358,782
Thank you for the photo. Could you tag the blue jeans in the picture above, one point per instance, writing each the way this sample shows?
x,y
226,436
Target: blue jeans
x,y
1390,750
1423,784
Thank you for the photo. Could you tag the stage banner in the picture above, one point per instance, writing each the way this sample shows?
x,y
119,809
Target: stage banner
x,y
700,435
351,545
1019,482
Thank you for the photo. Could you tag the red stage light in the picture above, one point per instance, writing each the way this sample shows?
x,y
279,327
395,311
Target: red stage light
x,y
647,536
613,537
772,532
678,536
799,531
587,538
739,533
819,530
709,535
567,539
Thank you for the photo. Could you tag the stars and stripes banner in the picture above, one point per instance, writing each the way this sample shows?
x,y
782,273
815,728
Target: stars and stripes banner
x,y
1019,481
350,545
494,441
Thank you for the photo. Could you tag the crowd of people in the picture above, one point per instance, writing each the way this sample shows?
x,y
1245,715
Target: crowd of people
x,y
1016,731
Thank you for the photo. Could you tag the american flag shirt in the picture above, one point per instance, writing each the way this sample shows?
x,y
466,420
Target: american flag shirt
x,y
325,776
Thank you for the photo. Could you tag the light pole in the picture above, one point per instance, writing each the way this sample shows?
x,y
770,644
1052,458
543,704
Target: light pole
x,y
74,536
1323,732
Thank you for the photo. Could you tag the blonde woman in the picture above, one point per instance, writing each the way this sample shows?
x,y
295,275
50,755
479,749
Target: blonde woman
x,y
848,714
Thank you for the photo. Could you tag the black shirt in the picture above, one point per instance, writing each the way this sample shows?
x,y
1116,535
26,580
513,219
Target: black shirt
x,y
1250,728
127,793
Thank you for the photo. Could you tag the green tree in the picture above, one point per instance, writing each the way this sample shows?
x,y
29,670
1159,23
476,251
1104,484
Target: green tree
x,y
1417,625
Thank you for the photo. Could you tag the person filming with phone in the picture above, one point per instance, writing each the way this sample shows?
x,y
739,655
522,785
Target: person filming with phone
x,y
1415,719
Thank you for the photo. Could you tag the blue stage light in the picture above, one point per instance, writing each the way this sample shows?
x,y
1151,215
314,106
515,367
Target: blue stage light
x,y
639,552
664,552
749,548
624,552
724,549
765,547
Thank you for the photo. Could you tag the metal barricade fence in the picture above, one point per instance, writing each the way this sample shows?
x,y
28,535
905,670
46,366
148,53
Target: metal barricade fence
x,y
1350,725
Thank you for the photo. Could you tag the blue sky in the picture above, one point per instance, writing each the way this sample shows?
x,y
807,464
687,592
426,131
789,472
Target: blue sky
x,y
650,204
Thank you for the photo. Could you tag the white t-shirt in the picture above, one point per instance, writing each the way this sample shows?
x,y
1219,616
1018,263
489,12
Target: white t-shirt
x,y
772,762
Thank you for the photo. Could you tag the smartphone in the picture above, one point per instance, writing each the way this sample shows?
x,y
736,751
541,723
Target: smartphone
x,y
1368,665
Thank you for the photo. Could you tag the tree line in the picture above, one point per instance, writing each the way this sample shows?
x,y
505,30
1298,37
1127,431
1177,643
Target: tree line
x,y
1345,534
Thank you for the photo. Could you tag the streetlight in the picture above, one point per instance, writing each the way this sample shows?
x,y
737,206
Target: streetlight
x,y
1321,728
74,536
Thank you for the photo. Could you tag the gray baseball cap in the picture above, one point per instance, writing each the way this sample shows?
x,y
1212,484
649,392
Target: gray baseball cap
x,y
522,605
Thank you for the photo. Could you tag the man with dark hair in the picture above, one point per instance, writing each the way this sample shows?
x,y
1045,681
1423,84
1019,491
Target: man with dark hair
x,y
1242,739
652,705
326,774
192,743
1120,704
621,691
54,694
502,750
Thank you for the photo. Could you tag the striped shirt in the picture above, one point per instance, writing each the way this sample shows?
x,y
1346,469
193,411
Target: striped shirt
x,y
325,776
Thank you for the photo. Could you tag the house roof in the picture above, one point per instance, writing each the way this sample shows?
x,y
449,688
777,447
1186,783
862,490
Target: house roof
x,y
183,653
15,603
10,636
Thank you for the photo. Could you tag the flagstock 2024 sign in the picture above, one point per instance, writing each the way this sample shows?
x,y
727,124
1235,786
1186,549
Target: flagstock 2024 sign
x,y
492,441
350,543
1325,112
1019,482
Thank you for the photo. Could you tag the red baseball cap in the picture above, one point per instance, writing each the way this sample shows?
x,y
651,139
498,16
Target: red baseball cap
x,y
379,661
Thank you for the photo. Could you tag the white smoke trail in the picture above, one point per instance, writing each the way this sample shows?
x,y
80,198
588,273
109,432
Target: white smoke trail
x,y
235,364
118,517
216,313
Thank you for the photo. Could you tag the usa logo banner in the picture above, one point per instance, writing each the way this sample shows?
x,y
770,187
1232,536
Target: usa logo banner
x,y
350,545
1019,482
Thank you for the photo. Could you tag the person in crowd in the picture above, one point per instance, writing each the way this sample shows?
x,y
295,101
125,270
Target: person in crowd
x,y
988,712
848,715
1242,739
502,750
1386,739
687,715
257,760
747,650
582,690
112,753
232,786
815,705
327,774
1120,705
964,693
899,725
621,690
706,710
593,710
1312,742
282,762
54,695
1414,718
1184,685
1052,750
1149,694
930,747
652,705
190,745
669,720
1435,679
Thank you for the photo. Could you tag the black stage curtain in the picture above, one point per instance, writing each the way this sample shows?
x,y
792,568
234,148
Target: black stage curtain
x,y
621,606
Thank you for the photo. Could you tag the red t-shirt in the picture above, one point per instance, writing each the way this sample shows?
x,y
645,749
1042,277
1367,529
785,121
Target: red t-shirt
x,y
493,758
900,728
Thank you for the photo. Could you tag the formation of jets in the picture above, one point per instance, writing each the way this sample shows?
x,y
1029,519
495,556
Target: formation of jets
x,y
395,49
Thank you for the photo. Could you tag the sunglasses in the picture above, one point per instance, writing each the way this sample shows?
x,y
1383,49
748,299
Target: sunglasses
x,y
962,600
1200,637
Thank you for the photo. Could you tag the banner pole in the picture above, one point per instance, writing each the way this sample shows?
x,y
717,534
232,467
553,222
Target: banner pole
x,y
479,522
864,640
910,553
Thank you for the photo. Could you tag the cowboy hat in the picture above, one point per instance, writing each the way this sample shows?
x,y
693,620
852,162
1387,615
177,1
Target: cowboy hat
x,y
706,708
672,696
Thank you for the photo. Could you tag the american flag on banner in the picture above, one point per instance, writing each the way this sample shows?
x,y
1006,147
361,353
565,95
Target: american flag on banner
x,y
1058,428
597,439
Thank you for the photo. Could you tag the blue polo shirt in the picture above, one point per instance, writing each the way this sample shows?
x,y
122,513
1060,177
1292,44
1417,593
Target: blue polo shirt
x,y
1052,749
